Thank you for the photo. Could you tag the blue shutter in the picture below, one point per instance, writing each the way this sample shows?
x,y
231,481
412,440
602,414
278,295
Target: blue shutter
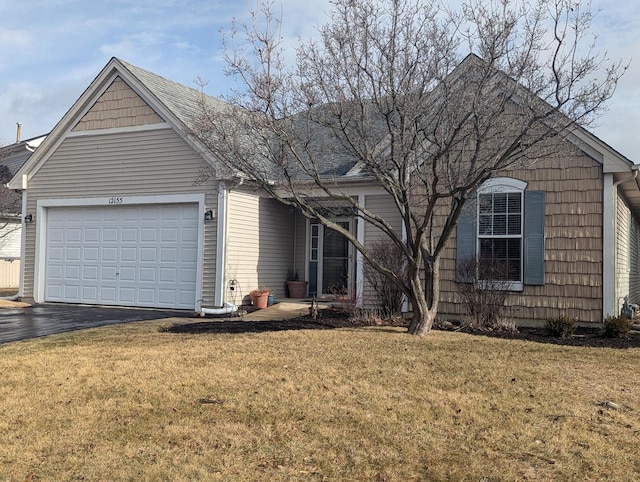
x,y
466,237
533,251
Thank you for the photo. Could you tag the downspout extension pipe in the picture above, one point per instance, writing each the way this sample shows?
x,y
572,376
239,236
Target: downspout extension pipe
x,y
226,309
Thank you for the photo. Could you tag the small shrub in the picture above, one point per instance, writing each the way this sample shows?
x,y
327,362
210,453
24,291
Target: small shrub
x,y
616,327
388,296
484,294
560,327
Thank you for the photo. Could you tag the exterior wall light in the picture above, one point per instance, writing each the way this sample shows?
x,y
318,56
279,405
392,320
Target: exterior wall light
x,y
28,218
208,215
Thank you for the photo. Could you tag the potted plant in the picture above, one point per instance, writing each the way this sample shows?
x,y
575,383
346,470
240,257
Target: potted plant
x,y
297,288
260,297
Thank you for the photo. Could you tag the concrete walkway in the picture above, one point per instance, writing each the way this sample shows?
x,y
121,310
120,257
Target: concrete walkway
x,y
282,310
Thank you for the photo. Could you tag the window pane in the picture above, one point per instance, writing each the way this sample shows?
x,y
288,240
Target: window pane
x,y
500,224
484,224
515,202
335,244
499,203
514,223
485,203
500,248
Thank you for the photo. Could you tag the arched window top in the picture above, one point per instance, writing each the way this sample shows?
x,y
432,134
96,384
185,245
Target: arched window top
x,y
505,184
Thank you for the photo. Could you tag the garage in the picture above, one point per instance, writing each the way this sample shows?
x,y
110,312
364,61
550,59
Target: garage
x,y
124,255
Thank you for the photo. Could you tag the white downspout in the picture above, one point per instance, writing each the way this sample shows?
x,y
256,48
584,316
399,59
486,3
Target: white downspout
x,y
221,244
23,243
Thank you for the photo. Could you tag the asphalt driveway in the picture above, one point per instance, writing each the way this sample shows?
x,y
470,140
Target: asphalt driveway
x,y
47,319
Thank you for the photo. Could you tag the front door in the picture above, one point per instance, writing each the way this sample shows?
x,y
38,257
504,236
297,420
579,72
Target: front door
x,y
330,261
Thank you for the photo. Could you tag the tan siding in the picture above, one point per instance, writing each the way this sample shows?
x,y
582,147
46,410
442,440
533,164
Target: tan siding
x,y
118,106
260,242
300,249
383,206
133,164
573,244
10,273
634,254
627,253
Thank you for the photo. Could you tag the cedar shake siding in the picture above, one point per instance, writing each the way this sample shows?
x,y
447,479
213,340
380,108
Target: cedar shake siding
x,y
118,106
141,163
260,243
573,213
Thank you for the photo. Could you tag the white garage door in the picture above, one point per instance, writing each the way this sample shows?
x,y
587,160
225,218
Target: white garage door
x,y
143,255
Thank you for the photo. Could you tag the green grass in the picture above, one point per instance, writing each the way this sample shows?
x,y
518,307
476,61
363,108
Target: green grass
x,y
129,402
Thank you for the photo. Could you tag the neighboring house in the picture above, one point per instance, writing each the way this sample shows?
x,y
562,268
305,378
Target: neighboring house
x,y
12,158
118,218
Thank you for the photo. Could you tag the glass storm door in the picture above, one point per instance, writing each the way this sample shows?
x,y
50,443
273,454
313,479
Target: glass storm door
x,y
330,261
335,262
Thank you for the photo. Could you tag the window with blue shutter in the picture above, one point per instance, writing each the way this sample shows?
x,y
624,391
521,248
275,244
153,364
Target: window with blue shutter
x,y
503,228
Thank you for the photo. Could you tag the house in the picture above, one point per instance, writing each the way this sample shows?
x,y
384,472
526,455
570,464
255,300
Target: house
x,y
12,157
117,218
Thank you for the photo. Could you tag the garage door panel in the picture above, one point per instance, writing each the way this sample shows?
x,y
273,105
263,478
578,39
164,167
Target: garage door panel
x,y
91,235
74,235
109,254
54,292
129,255
190,235
55,271
168,255
147,296
110,235
56,253
72,292
90,254
187,275
72,253
188,255
169,235
56,234
108,273
107,295
127,295
129,235
149,235
72,272
169,275
90,273
148,275
127,274
90,294
148,255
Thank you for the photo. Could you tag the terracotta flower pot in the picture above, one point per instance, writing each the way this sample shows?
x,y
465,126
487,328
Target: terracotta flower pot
x,y
297,289
259,300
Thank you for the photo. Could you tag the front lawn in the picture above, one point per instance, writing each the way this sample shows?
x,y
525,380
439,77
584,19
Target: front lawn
x,y
132,402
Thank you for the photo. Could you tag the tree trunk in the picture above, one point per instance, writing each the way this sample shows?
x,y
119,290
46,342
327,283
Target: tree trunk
x,y
425,301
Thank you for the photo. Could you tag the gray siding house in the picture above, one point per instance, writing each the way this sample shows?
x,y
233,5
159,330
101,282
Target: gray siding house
x,y
117,218
12,158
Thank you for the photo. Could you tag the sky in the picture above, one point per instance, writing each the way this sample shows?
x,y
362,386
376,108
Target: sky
x,y
51,50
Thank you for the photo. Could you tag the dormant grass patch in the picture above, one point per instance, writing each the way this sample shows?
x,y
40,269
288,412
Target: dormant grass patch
x,y
130,402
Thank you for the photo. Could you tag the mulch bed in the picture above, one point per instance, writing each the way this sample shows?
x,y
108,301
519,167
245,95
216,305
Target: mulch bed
x,y
591,337
331,318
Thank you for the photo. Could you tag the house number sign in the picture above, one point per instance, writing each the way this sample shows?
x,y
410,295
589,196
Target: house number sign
x,y
116,200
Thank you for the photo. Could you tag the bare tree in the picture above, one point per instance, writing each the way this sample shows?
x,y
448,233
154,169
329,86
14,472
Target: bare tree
x,y
391,94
